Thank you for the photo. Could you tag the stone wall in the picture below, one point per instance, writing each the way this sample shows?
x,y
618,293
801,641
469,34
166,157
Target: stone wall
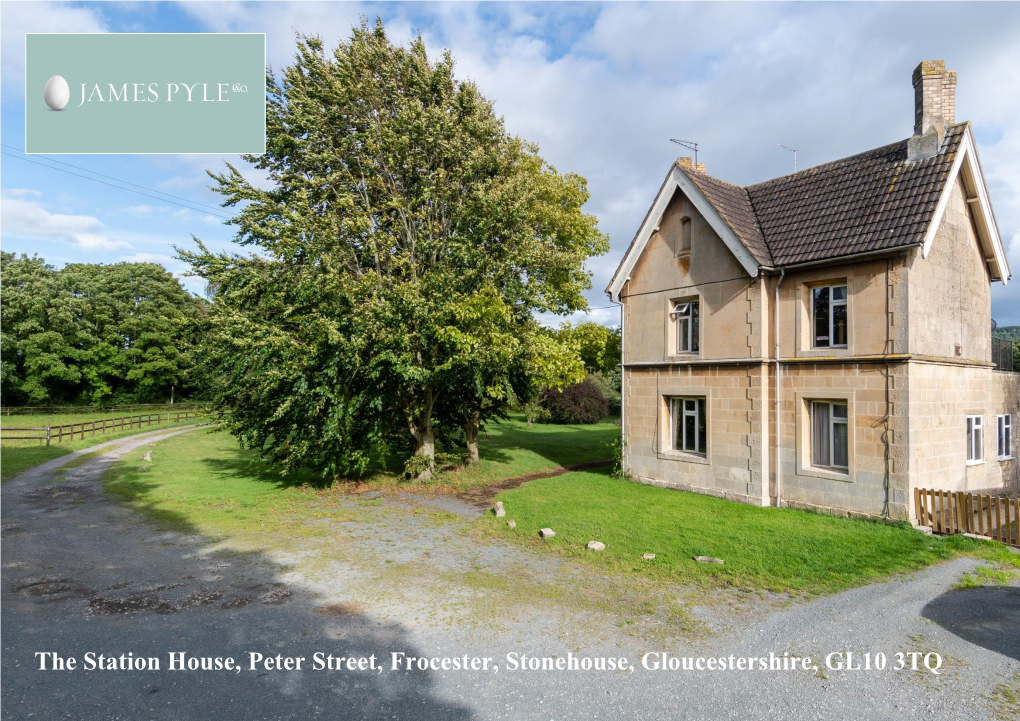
x,y
733,465
708,273
941,397
950,290
876,482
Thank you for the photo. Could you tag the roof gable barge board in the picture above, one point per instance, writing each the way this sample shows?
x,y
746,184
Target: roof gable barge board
x,y
968,164
678,179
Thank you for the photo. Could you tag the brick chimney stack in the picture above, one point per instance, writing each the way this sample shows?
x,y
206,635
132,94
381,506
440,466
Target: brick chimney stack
x,y
688,164
934,108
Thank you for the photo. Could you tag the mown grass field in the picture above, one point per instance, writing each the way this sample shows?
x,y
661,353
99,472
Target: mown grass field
x,y
19,455
203,482
778,549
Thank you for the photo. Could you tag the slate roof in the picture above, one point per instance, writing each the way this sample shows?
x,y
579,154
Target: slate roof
x,y
871,201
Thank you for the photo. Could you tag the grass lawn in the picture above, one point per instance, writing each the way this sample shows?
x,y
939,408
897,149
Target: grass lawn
x,y
778,549
203,482
509,449
218,488
17,456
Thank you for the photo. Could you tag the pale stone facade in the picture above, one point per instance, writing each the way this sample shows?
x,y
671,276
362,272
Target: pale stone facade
x,y
915,365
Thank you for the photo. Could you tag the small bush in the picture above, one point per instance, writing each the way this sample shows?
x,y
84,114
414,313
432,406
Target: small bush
x,y
609,384
581,403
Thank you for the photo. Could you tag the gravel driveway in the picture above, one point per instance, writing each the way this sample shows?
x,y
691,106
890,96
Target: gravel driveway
x,y
82,573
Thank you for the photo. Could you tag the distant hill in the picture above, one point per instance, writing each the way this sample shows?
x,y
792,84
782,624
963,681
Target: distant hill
x,y
1009,332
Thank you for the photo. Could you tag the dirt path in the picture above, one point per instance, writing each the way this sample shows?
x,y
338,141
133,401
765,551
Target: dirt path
x,y
81,573
482,496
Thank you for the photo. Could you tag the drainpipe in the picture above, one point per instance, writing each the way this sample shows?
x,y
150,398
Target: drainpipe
x,y
779,438
623,381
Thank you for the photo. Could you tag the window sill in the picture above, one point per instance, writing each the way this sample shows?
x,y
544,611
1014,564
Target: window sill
x,y
976,463
1007,458
831,474
824,352
684,456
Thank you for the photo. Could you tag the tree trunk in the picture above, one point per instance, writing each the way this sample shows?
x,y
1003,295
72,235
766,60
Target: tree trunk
x,y
424,445
471,423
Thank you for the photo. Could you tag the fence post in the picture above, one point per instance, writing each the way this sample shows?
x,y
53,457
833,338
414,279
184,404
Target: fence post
x,y
47,432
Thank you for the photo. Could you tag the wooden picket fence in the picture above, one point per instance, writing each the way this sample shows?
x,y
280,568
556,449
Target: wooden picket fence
x,y
949,512
77,431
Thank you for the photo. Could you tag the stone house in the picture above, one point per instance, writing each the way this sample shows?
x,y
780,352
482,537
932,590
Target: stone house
x,y
823,340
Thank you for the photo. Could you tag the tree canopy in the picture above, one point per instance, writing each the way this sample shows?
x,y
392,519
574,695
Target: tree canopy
x,y
92,333
398,258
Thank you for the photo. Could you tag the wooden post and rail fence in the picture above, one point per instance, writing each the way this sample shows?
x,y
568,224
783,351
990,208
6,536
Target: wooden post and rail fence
x,y
951,512
77,431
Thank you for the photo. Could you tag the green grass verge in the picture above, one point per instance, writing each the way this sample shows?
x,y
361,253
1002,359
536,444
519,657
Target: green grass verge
x,y
203,482
16,457
778,549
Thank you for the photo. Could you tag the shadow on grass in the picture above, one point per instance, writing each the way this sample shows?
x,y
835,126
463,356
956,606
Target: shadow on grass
x,y
988,616
78,575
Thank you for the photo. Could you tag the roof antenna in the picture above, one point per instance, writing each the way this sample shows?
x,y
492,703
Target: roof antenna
x,y
794,151
689,144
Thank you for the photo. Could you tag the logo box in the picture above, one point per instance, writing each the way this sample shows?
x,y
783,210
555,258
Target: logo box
x,y
145,93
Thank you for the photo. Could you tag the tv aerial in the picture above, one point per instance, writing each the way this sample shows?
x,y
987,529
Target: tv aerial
x,y
689,144
792,150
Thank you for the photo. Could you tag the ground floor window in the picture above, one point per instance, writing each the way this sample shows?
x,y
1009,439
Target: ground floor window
x,y
688,418
830,446
1005,434
975,439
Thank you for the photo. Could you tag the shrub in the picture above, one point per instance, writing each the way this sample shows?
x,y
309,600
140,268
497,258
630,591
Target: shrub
x,y
581,403
609,384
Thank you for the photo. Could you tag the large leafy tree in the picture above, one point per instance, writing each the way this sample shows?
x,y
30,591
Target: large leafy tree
x,y
596,345
37,340
404,245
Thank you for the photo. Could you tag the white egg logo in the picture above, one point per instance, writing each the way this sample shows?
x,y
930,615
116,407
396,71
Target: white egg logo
x,y
56,93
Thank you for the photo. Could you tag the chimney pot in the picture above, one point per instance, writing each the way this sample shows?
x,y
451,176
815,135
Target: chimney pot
x,y
934,108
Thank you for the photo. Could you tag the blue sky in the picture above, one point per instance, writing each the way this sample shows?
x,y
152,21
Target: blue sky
x,y
600,87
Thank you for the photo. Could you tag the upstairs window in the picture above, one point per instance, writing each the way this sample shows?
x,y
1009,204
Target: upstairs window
x,y
830,447
1005,436
687,316
828,316
688,422
975,439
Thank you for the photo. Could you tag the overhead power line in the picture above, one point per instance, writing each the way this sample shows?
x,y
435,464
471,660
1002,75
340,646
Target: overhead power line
x,y
120,180
190,205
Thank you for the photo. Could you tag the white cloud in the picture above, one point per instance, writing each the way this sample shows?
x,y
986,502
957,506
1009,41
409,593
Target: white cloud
x,y
602,88
18,18
29,219
609,316
23,193
139,211
832,80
